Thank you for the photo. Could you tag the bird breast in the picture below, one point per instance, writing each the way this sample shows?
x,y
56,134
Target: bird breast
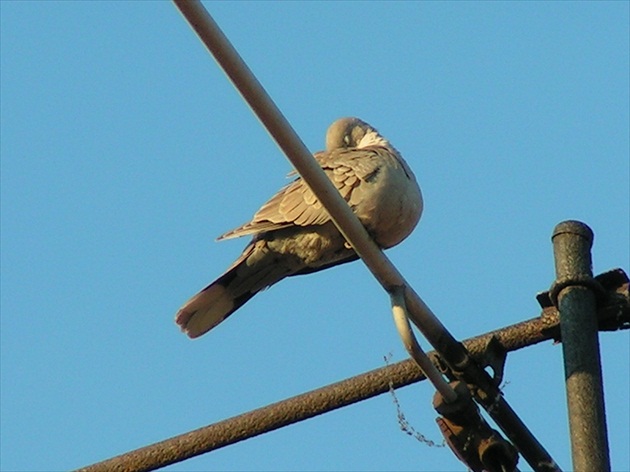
x,y
390,202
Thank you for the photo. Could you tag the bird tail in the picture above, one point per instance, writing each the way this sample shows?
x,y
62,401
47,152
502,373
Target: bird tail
x,y
255,270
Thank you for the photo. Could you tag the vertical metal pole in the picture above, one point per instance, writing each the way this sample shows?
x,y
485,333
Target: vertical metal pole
x,y
576,302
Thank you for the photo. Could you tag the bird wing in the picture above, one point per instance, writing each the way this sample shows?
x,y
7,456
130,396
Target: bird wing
x,y
296,205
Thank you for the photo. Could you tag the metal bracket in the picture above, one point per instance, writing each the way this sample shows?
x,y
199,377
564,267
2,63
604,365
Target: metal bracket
x,y
613,309
495,357
469,436
583,280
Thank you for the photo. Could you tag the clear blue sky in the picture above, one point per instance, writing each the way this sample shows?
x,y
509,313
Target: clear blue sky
x,y
125,152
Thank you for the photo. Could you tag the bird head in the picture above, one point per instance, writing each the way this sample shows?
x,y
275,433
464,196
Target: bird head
x,y
352,133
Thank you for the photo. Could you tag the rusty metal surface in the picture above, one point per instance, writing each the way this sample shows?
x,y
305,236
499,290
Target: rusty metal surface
x,y
469,436
576,293
615,310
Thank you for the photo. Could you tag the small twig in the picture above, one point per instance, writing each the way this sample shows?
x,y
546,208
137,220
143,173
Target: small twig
x,y
404,424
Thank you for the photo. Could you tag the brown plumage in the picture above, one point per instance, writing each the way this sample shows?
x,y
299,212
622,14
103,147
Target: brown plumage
x,y
293,234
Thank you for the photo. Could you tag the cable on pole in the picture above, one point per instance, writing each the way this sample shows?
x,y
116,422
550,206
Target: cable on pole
x,y
399,311
613,314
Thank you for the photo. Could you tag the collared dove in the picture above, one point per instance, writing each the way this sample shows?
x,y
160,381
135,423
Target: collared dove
x,y
293,234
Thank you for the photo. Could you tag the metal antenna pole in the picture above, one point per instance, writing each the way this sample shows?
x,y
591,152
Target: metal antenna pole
x,y
575,294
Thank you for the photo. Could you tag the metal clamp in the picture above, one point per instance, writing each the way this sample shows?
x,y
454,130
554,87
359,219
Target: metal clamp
x,y
468,435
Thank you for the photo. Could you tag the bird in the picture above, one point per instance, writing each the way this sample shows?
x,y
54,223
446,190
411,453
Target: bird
x,y
293,234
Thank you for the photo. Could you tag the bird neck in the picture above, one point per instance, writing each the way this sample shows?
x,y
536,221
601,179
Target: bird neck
x,y
372,138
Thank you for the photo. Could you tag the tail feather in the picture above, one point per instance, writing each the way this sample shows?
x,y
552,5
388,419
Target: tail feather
x,y
208,308
254,271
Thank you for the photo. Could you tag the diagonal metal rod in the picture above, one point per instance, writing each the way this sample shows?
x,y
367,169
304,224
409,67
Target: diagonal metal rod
x,y
576,300
613,315
276,124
